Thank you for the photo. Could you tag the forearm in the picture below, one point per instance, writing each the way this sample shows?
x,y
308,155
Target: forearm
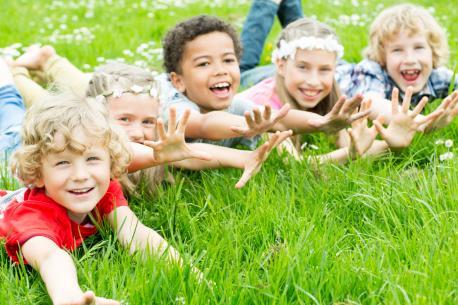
x,y
338,156
378,148
221,157
298,121
142,157
214,125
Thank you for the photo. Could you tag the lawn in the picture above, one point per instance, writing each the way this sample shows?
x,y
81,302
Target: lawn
x,y
378,231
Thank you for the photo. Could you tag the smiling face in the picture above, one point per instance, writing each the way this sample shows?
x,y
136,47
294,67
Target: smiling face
x,y
309,76
76,180
136,114
409,60
210,74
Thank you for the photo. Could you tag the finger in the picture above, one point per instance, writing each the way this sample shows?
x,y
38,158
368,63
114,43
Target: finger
x,y
88,298
338,105
380,129
351,105
419,108
183,121
267,112
407,99
160,129
257,115
239,130
430,117
280,114
394,101
360,115
353,140
172,119
249,119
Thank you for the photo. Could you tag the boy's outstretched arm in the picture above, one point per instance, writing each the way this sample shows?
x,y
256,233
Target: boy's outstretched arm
x,y
58,271
249,161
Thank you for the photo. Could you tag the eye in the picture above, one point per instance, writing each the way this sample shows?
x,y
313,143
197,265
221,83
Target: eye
x,y
61,163
149,122
203,64
420,47
396,50
229,60
124,119
93,158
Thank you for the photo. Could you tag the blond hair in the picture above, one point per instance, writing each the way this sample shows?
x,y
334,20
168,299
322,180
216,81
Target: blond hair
x,y
64,113
119,76
306,27
413,19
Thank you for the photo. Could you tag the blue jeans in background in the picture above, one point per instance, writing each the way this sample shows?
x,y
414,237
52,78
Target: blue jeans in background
x,y
12,112
258,24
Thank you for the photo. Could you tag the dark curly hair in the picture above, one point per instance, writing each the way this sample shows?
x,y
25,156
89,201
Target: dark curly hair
x,y
175,40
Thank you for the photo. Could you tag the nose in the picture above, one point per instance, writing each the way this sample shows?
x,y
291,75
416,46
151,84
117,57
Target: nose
x,y
80,172
409,56
220,68
135,133
312,78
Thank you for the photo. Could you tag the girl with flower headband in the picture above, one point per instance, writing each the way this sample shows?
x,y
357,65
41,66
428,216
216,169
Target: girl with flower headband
x,y
305,61
131,96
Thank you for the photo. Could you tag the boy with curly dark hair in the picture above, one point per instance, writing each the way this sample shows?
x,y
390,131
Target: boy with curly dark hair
x,y
201,58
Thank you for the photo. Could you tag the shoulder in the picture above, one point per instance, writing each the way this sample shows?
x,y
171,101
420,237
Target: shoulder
x,y
261,93
239,105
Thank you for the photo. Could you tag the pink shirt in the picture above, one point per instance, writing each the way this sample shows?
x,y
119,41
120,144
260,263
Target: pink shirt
x,y
263,93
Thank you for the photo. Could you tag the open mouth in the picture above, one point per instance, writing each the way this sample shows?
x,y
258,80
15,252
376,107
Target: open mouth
x,y
310,93
410,75
81,191
221,89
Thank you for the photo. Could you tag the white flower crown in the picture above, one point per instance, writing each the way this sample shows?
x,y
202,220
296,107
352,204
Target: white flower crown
x,y
288,49
135,89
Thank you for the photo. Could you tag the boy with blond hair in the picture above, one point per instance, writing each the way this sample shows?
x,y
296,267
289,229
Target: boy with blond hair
x,y
407,48
70,159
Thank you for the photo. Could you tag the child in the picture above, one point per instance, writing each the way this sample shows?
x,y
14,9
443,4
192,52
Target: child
x,y
305,58
132,102
201,58
11,112
70,159
407,47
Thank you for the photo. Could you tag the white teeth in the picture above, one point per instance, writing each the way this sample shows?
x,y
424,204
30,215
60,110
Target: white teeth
x,y
221,85
411,72
81,190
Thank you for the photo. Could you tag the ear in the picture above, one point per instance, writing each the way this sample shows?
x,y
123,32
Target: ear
x,y
39,182
280,64
177,82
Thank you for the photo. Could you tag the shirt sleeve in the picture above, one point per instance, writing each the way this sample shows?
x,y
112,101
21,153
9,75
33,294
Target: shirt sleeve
x,y
169,96
30,219
114,198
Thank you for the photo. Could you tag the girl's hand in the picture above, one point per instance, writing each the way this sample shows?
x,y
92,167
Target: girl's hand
x,y
341,115
449,106
257,157
89,298
171,145
361,137
403,125
261,122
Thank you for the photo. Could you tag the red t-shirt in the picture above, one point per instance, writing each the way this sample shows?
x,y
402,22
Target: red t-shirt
x,y
39,215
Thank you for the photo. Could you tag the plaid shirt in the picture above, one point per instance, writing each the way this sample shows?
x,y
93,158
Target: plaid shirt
x,y
369,76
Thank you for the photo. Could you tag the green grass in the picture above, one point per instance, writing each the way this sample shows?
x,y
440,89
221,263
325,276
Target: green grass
x,y
371,232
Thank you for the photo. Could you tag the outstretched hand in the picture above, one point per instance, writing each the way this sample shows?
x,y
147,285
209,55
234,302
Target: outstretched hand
x,y
449,107
171,145
89,298
257,157
403,126
341,115
260,123
361,136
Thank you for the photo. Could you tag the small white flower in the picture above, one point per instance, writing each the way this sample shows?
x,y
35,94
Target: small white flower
x,y
448,143
304,145
446,156
439,142
100,98
153,92
314,147
117,92
136,89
